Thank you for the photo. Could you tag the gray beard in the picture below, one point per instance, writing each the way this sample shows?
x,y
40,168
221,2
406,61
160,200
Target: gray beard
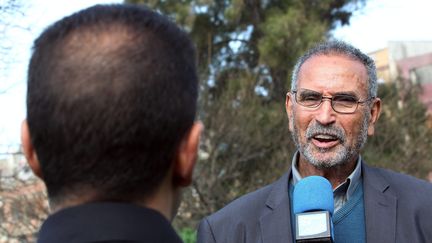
x,y
344,154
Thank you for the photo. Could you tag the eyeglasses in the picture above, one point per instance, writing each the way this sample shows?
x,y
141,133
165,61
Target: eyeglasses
x,y
341,103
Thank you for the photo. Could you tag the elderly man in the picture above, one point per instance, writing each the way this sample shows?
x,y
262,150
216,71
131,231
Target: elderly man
x,y
332,108
110,127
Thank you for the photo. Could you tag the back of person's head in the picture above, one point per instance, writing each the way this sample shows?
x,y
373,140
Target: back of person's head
x,y
112,91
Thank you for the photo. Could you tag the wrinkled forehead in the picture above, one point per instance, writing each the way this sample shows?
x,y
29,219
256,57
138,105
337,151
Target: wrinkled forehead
x,y
333,73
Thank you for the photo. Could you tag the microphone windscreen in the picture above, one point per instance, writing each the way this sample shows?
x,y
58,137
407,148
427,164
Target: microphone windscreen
x,y
313,193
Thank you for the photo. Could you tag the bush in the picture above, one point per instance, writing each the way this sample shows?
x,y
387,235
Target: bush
x,y
188,235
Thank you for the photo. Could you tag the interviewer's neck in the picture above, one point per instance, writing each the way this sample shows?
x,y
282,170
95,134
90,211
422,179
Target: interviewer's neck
x,y
164,200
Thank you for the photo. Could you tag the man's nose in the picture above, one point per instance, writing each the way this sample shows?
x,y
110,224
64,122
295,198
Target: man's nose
x,y
325,113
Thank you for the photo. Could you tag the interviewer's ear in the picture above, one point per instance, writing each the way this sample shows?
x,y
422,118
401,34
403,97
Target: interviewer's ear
x,y
187,156
29,151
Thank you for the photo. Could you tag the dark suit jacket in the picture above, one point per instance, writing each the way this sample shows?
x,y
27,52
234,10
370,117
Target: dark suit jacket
x,y
398,208
107,222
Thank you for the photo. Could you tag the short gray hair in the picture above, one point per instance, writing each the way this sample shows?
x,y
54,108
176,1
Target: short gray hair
x,y
342,48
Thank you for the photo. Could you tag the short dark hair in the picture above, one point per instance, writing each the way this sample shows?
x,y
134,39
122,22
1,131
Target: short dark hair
x,y
341,48
112,90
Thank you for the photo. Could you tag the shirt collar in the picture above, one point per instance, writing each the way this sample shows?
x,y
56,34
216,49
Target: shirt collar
x,y
107,222
352,180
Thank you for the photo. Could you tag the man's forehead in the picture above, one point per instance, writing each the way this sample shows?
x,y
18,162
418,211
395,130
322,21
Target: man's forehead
x,y
333,72
332,58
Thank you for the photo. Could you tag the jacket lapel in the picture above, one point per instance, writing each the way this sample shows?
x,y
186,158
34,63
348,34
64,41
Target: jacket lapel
x,y
275,224
380,207
380,210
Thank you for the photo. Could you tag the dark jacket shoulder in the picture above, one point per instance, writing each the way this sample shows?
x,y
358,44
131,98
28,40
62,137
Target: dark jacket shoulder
x,y
397,206
242,219
402,185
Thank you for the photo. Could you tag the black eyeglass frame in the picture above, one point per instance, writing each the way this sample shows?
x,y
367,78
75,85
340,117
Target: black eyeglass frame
x,y
330,98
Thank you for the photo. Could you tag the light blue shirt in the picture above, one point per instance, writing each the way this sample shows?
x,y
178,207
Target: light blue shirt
x,y
343,192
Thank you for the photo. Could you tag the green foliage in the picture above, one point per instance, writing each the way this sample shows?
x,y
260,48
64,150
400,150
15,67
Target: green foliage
x,y
188,235
402,141
245,51
284,35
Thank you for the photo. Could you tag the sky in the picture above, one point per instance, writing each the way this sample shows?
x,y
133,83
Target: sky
x,y
370,29
381,21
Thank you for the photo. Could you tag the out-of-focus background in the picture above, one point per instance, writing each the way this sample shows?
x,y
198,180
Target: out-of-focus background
x,y
246,51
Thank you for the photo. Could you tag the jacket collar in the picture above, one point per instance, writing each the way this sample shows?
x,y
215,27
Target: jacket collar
x,y
380,209
380,206
107,221
275,224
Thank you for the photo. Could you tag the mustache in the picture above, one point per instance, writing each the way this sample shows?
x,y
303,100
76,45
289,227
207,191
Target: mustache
x,y
319,129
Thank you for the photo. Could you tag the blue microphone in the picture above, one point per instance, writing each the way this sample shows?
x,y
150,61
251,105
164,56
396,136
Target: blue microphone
x,y
313,206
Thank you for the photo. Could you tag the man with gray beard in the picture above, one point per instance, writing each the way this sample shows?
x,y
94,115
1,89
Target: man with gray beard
x,y
332,108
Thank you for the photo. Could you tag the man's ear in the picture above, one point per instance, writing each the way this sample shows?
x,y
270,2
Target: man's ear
x,y
288,108
187,156
29,151
375,113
